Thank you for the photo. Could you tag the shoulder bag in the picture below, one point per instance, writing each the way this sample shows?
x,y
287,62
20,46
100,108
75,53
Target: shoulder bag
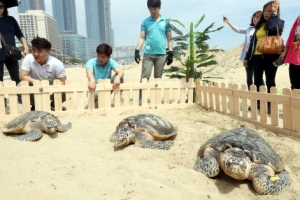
x,y
271,44
11,51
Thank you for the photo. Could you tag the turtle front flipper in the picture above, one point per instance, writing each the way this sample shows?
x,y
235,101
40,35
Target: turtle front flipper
x,y
265,184
64,127
31,135
164,145
209,164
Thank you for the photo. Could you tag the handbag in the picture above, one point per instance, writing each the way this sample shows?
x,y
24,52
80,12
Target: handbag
x,y
271,44
11,51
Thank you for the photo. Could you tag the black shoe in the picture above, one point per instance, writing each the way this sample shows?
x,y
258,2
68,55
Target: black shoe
x,y
32,108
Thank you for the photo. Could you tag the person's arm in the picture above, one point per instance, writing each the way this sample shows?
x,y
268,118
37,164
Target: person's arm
x,y
170,42
141,40
275,23
233,27
24,43
117,79
62,80
91,78
25,76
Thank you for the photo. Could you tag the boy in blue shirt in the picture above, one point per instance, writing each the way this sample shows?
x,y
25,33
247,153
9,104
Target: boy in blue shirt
x,y
154,35
101,67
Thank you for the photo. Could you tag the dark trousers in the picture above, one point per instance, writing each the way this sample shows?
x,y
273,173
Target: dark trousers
x,y
249,74
261,64
63,97
13,70
294,71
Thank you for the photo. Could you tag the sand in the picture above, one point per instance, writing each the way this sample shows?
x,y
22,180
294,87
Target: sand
x,y
82,164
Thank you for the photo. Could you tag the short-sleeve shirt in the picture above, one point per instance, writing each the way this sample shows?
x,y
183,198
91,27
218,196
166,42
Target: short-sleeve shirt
x,y
155,31
53,69
101,72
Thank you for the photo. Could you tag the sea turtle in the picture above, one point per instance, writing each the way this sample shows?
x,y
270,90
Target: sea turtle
x,y
33,123
145,130
243,154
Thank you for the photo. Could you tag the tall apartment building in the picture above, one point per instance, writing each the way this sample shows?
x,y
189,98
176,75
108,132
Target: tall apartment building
x,y
64,12
31,5
38,23
98,21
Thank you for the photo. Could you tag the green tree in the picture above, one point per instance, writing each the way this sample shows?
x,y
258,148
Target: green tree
x,y
192,49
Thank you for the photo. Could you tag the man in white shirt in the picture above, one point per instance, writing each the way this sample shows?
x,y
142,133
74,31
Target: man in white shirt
x,y
40,65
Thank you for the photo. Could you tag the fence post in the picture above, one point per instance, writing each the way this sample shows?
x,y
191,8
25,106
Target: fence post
x,y
263,104
217,97
274,108
204,84
211,97
287,113
295,107
224,99
46,96
244,103
198,92
253,104
236,101
231,99
167,92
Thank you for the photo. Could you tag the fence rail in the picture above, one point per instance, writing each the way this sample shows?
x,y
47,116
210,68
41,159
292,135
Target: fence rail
x,y
158,94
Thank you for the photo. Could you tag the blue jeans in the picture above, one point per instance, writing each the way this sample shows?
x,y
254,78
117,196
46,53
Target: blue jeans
x,y
250,74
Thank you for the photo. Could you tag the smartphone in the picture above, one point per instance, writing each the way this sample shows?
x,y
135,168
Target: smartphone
x,y
278,62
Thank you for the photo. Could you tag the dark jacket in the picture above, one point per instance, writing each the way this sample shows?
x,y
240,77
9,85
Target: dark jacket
x,y
9,28
271,30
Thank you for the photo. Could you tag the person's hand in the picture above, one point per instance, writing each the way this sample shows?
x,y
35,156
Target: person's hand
x,y
275,6
169,58
137,57
225,19
245,63
26,51
92,86
116,82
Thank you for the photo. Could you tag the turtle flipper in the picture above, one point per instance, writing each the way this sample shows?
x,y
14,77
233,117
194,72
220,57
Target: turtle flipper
x,y
271,185
64,127
31,135
165,145
208,166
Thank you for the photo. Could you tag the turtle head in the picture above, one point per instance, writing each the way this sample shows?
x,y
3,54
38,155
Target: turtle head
x,y
236,163
49,123
124,135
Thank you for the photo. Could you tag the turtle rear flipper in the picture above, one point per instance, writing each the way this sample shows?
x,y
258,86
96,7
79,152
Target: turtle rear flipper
x,y
164,145
64,127
31,135
270,185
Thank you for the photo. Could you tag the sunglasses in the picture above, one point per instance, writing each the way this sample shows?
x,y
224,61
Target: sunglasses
x,y
1,6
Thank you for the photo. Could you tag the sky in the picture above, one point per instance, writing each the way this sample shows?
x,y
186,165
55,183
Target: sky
x,y
127,16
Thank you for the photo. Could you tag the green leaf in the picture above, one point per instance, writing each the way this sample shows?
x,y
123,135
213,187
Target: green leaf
x,y
200,20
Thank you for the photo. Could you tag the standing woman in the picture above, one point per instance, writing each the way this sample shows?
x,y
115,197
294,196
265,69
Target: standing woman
x,y
292,54
269,23
9,28
248,35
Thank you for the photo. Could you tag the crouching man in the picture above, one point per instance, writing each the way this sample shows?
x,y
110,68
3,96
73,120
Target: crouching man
x,y
40,65
101,67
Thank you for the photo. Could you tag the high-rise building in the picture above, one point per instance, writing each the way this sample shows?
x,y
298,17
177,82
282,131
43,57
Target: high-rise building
x,y
98,21
38,23
64,11
31,5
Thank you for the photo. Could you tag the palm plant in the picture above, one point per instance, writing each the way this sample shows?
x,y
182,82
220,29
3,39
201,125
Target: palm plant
x,y
192,48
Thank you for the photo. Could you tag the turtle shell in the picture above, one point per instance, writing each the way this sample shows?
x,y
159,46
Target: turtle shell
x,y
158,127
19,122
253,144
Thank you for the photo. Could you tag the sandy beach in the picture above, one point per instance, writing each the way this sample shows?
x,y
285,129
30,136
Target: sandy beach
x,y
82,163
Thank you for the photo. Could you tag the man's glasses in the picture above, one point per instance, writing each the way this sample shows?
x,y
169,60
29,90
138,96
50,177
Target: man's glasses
x,y
1,6
255,17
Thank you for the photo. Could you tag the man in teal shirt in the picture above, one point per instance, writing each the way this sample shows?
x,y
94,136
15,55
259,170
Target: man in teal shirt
x,y
101,67
155,34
